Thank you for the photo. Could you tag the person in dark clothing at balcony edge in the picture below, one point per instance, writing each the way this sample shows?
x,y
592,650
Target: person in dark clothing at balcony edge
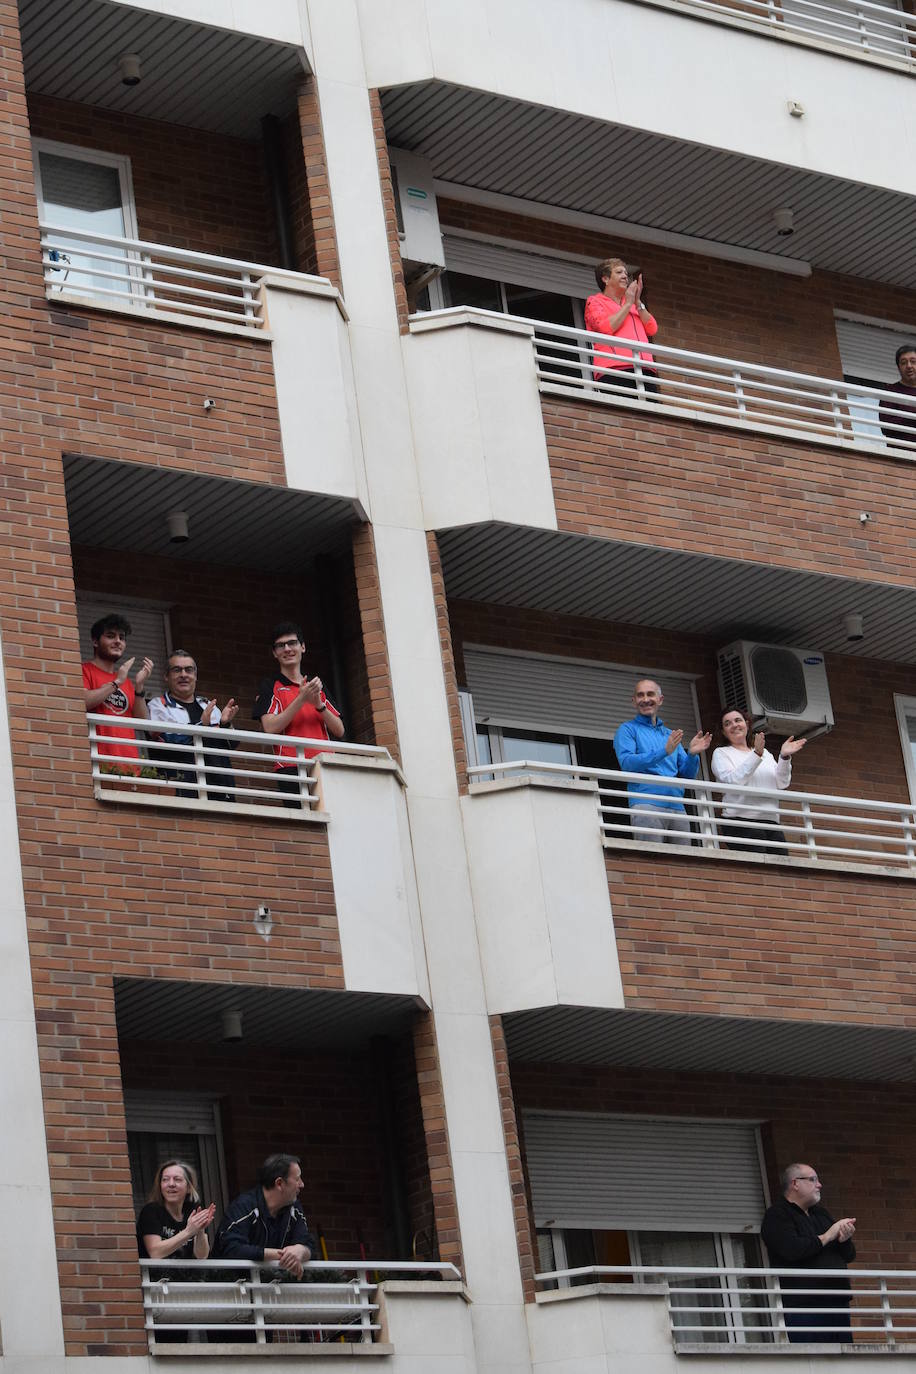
x,y
110,692
180,705
800,1234
617,310
173,1226
646,745
901,429
293,704
266,1224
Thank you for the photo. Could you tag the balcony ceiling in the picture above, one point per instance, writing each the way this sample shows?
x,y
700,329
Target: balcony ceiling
x,y
551,157
725,598
203,77
711,1044
296,1018
116,505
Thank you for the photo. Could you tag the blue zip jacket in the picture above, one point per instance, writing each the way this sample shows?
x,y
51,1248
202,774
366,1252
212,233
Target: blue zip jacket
x,y
640,748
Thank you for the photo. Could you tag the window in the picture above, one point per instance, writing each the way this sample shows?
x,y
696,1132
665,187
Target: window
x,y
150,637
87,192
906,724
867,355
163,1126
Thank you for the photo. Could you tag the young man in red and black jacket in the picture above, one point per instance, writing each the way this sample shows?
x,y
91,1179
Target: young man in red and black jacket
x,y
293,704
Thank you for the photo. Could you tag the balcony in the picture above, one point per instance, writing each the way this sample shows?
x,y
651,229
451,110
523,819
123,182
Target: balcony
x,y
233,1300
857,28
649,1317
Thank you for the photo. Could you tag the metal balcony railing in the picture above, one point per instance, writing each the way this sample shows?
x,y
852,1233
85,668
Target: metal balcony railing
x,y
219,770
225,1297
726,391
816,825
862,28
124,273
713,1309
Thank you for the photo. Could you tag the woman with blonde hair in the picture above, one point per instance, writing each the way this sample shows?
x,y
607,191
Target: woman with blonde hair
x,y
173,1225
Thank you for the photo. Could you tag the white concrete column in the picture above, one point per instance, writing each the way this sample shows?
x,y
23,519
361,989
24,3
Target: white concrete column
x,y
30,1312
456,983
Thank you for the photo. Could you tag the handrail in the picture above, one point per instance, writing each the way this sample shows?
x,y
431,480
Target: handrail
x,y
718,390
815,825
211,767
861,27
223,1296
712,1305
158,279
724,390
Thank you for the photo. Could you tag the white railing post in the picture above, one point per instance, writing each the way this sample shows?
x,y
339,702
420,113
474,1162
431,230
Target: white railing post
x,y
302,774
365,1316
839,425
739,393
638,374
248,296
256,1290
706,816
779,1328
808,827
200,777
887,1313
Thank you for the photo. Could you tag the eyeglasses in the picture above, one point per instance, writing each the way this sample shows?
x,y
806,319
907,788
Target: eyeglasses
x,y
287,644
806,1178
183,672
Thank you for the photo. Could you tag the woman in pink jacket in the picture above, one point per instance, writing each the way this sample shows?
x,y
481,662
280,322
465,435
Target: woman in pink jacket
x,y
617,310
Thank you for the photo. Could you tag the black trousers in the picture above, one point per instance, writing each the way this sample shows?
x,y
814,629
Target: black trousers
x,y
734,830
625,379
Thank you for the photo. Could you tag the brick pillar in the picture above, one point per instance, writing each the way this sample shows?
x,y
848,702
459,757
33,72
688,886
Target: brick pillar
x,y
448,660
391,222
327,262
375,646
432,1105
517,1180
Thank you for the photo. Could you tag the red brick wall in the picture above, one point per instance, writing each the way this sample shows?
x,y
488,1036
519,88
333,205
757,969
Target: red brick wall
x,y
678,484
391,224
196,190
376,703
859,1136
432,1100
518,1182
325,260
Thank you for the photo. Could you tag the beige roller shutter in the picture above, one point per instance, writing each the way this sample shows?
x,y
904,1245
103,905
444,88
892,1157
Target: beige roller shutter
x,y
496,262
593,1172
567,696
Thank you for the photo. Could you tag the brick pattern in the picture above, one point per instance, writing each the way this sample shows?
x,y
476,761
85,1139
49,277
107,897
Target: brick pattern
x,y
323,234
379,698
448,660
391,223
697,935
518,1181
201,191
678,484
859,1136
432,1102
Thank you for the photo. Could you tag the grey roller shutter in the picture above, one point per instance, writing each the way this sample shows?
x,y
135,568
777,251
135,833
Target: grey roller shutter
x,y
495,262
566,696
867,350
149,637
166,1112
591,1172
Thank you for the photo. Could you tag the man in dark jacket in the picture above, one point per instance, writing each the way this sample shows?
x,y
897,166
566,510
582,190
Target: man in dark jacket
x,y
800,1234
265,1224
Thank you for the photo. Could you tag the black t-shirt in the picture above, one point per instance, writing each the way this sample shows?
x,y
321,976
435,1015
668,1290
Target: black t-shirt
x,y
157,1220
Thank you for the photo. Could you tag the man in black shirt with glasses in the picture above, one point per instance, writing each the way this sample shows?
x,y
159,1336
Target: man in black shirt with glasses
x,y
800,1234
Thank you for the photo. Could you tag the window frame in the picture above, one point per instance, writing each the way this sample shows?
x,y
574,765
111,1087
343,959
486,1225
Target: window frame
x,y
79,153
902,706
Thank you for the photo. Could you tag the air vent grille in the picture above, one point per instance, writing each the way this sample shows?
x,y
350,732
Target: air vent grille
x,y
779,680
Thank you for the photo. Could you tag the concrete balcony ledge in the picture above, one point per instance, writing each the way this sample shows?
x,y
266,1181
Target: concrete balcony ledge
x,y
370,763
226,1350
865,870
428,1287
603,1290
460,316
551,783
858,1349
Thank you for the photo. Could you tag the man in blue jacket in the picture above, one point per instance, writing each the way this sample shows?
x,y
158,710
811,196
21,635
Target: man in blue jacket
x,y
265,1224
646,745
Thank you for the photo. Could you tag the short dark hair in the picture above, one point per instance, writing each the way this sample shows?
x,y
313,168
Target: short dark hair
x,y
286,627
604,269
110,622
904,348
274,1167
180,653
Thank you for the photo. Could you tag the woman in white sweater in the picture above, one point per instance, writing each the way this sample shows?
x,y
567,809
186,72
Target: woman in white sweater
x,y
754,768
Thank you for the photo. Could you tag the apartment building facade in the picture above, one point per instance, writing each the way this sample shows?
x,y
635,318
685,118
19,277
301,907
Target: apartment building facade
x,y
294,330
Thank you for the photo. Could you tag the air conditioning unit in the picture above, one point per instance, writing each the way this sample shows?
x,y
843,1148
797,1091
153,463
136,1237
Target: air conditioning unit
x,y
417,213
783,690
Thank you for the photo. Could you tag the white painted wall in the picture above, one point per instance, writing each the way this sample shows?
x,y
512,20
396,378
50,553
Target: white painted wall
x,y
674,74
429,1324
375,889
30,1316
316,396
541,895
478,428
283,21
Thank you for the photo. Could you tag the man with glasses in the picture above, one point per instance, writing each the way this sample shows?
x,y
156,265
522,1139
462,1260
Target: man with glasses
x,y
294,704
180,705
800,1234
